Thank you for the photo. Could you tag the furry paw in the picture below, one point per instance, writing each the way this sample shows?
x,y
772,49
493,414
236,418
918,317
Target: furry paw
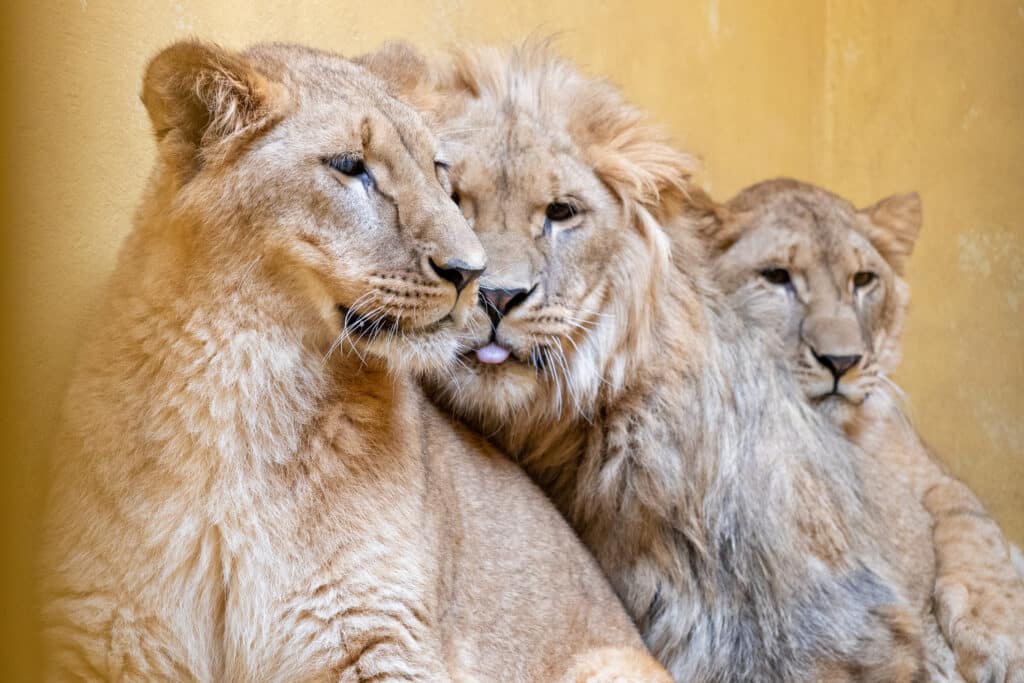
x,y
985,627
979,592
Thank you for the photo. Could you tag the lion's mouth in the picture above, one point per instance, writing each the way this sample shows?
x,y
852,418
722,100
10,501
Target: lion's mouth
x,y
366,326
371,327
492,353
837,396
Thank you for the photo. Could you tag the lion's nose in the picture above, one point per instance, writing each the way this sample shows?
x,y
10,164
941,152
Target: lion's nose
x,y
838,365
503,300
459,273
499,302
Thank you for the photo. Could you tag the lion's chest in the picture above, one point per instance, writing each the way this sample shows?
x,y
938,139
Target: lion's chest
x,y
330,557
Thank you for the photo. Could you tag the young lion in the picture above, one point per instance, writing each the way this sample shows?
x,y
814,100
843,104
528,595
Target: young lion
x,y
728,515
236,501
829,278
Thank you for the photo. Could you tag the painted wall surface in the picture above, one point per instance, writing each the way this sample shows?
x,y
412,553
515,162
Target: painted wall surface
x,y
868,98
930,96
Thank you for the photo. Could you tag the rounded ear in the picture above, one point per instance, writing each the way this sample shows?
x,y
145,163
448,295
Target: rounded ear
x,y
404,70
892,225
716,224
200,97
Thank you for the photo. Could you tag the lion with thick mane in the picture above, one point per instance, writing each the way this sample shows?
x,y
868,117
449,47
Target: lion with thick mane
x,y
729,515
829,278
247,486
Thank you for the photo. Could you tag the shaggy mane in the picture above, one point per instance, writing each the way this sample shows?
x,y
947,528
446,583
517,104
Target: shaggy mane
x,y
631,155
724,510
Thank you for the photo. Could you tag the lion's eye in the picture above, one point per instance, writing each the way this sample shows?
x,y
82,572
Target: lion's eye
x,y
348,164
863,279
560,211
352,165
776,276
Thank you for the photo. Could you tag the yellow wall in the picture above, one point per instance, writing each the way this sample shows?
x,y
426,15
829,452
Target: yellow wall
x,y
868,98
932,98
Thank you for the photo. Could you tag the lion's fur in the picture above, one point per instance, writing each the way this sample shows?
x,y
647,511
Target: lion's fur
x,y
242,494
728,514
822,240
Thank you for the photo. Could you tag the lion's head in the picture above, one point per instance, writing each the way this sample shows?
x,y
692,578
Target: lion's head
x,y
296,167
562,182
828,276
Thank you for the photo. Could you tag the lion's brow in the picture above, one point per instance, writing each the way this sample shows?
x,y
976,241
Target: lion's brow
x,y
409,146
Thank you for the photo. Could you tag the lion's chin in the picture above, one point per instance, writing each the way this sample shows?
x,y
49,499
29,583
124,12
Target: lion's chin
x,y
840,409
488,391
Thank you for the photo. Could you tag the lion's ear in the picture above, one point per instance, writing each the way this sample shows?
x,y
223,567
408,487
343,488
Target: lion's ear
x,y
892,225
400,66
200,96
716,224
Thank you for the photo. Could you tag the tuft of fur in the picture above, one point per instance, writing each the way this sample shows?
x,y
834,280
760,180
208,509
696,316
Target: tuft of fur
x,y
822,241
248,486
727,513
626,150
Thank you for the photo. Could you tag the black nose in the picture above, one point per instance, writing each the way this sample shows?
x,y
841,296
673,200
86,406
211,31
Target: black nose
x,y
456,272
838,365
499,302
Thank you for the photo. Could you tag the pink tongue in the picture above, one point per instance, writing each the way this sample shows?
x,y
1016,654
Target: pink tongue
x,y
492,353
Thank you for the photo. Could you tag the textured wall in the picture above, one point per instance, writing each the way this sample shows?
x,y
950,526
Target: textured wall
x,y
930,96
867,97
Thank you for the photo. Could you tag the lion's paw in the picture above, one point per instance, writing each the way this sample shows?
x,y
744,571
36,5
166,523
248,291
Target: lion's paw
x,y
985,626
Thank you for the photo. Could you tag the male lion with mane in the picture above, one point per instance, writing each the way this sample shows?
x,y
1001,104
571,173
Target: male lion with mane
x,y
829,279
247,485
728,514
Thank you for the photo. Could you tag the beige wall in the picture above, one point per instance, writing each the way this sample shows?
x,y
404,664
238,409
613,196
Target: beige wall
x,y
930,96
868,98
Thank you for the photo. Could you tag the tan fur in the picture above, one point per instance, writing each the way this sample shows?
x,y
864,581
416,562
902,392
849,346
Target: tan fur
x,y
726,512
615,665
822,241
248,487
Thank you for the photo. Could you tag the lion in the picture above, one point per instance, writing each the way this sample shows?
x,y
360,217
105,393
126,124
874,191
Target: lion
x,y
829,278
248,484
727,513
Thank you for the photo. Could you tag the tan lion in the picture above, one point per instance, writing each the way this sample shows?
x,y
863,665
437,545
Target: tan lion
x,y
247,486
727,513
829,278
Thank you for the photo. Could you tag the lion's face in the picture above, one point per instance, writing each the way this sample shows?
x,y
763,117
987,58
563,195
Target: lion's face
x,y
554,237
342,193
828,278
537,173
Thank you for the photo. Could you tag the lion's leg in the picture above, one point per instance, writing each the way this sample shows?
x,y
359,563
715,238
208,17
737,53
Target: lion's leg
x,y
979,592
